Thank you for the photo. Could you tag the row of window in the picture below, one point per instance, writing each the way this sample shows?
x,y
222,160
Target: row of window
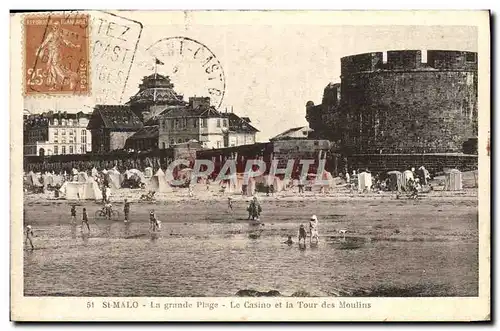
x,y
182,123
71,149
71,140
70,132
64,122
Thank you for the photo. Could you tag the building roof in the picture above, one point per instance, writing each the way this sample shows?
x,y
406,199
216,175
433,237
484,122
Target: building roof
x,y
289,134
147,132
200,111
239,124
157,89
114,117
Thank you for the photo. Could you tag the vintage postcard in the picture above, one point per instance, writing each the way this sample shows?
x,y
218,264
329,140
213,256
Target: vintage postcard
x,y
250,166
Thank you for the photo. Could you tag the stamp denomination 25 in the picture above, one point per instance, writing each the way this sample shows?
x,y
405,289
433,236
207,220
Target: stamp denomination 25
x,y
56,49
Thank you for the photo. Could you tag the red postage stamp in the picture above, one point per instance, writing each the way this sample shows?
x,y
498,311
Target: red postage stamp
x,y
56,54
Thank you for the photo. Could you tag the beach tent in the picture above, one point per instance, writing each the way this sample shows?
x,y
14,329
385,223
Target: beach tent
x,y
158,182
135,175
395,180
364,181
94,173
453,180
407,175
82,177
113,177
34,180
88,190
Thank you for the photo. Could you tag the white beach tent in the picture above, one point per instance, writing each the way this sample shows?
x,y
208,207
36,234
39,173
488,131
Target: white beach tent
x,y
158,182
113,176
88,190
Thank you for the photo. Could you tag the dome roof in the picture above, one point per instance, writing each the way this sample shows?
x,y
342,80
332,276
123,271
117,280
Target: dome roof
x,y
157,89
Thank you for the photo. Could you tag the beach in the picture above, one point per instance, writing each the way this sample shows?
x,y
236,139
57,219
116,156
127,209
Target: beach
x,y
391,247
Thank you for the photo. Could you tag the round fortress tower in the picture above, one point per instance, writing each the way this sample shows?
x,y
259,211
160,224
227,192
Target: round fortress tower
x,y
408,101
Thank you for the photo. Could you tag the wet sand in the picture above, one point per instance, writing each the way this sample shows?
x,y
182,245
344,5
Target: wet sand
x,y
425,247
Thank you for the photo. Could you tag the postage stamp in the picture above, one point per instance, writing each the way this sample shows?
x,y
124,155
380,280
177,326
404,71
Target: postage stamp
x,y
56,49
250,166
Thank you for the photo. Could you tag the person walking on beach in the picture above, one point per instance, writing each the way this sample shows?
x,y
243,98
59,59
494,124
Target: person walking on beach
x,y
313,229
29,235
230,203
73,214
126,210
85,219
301,185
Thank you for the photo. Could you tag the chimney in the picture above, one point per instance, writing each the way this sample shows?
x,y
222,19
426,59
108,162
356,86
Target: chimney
x,y
194,102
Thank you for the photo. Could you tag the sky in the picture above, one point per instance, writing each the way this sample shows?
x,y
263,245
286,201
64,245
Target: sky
x,y
271,70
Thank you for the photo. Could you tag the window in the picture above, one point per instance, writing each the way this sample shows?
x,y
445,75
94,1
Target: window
x,y
63,122
71,149
56,122
164,145
224,123
70,122
195,123
56,150
204,123
56,132
84,149
63,140
218,122
172,142
83,140
176,125
63,150
218,142
63,132
179,141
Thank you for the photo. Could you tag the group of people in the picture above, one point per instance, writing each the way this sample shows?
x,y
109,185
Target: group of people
x,y
313,232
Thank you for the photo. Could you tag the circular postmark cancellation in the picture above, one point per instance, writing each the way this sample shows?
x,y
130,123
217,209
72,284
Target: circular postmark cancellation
x,y
56,54
193,67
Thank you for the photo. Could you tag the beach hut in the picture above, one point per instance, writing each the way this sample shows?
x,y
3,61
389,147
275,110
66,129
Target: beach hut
x,y
453,180
395,180
148,172
364,181
407,176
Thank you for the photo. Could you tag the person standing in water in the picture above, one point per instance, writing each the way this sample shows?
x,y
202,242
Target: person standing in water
x,y
126,210
29,235
153,221
73,214
85,219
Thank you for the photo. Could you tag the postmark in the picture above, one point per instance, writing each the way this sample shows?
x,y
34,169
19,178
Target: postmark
x,y
190,63
113,48
56,49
